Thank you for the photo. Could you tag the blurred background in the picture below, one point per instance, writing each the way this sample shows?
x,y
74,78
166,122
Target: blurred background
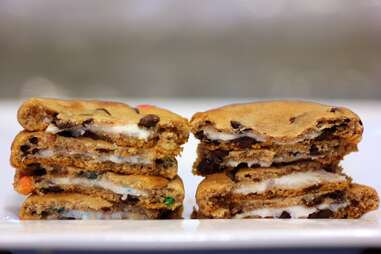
x,y
206,48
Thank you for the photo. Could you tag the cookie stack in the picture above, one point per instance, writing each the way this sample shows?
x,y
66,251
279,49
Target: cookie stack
x,y
98,160
278,159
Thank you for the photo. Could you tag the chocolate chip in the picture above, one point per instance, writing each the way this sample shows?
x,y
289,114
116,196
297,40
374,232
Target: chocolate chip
x,y
312,188
292,119
334,109
355,203
200,135
211,162
235,124
44,214
88,122
321,214
37,170
338,196
285,215
67,134
103,150
65,125
136,110
35,150
166,162
314,151
52,189
103,110
132,199
360,122
165,214
24,148
244,142
149,121
33,140
92,135
106,209
326,134
89,175
242,165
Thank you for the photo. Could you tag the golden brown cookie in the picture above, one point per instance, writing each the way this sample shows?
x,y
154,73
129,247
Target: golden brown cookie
x,y
217,192
277,122
351,202
31,148
273,132
328,154
63,206
119,123
151,192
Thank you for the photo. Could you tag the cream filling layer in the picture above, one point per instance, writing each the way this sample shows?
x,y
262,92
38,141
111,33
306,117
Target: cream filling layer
x,y
215,135
130,130
234,163
294,211
134,159
212,134
100,183
90,215
291,181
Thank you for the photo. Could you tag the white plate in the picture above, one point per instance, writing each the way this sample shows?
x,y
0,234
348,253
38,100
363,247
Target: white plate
x,y
194,234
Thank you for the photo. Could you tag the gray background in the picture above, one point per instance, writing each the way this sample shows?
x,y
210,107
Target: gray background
x,y
278,48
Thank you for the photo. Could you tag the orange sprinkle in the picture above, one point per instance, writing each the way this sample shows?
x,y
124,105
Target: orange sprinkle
x,y
144,106
25,185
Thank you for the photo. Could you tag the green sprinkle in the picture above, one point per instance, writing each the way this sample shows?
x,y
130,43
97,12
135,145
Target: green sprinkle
x,y
169,201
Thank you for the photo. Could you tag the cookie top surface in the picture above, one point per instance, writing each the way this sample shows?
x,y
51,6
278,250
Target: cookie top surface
x,y
277,120
112,113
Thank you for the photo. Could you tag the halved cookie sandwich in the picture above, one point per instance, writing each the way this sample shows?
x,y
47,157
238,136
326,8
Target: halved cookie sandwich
x,y
65,206
278,159
314,194
152,192
274,132
119,123
31,148
98,160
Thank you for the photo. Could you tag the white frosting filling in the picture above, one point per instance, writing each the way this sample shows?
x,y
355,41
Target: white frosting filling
x,y
90,215
262,163
213,134
294,211
291,181
100,183
134,159
234,163
131,130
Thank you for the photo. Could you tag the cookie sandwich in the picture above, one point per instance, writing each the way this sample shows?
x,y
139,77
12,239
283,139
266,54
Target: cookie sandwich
x,y
98,160
278,159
